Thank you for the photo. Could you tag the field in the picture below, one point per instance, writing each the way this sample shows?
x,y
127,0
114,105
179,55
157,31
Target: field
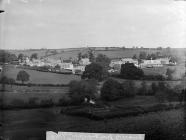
x,y
24,93
117,53
33,124
37,77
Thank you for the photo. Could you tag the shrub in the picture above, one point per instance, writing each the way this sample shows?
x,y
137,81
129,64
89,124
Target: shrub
x,y
111,90
79,90
128,88
94,71
32,102
130,71
46,103
143,90
17,103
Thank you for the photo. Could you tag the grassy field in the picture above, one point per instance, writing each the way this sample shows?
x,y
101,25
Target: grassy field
x,y
37,77
16,94
110,52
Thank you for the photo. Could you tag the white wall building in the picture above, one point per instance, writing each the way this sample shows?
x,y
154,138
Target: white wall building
x,y
151,63
84,61
68,66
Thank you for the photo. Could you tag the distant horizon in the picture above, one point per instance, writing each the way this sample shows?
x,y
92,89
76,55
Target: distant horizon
x,y
90,47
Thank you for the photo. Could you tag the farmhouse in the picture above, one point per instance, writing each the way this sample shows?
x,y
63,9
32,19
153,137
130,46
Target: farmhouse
x,y
130,60
116,63
68,66
78,69
84,61
164,61
151,63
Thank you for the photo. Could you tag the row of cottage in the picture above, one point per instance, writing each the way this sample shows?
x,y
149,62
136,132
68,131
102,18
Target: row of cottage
x,y
115,63
160,62
67,65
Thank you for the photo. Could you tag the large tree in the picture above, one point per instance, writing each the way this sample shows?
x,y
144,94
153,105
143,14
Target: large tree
x,y
142,55
81,90
94,71
34,56
23,76
130,71
103,60
20,57
111,90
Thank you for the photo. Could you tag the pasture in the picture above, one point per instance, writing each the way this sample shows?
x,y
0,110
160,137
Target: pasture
x,y
14,94
38,77
111,52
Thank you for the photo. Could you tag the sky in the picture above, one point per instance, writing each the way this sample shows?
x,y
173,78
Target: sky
x,y
35,24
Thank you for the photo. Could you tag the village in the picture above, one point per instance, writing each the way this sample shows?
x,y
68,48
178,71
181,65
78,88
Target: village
x,y
78,66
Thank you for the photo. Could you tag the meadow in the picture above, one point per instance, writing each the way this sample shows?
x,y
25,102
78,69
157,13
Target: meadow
x,y
38,77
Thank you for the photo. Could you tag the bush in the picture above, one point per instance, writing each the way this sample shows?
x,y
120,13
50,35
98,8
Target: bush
x,y
94,71
32,102
47,103
130,71
79,90
17,103
143,90
111,90
128,87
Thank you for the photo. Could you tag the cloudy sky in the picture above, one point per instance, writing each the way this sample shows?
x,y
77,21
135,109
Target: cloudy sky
x,y
79,23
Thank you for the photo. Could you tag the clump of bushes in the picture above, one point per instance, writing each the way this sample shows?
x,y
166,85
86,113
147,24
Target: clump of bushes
x,y
81,90
46,103
113,90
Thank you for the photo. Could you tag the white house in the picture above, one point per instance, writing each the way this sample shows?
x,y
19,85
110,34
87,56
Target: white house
x,y
68,66
78,68
130,60
151,63
84,61
164,61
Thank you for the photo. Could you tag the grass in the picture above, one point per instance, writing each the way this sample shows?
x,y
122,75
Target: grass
x,y
38,77
23,95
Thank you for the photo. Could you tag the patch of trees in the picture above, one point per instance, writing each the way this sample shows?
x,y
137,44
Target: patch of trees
x,y
113,90
6,57
81,90
34,56
94,71
130,71
6,80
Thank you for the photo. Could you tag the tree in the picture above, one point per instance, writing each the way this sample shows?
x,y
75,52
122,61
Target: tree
x,y
103,60
169,73
79,90
134,56
23,76
20,57
91,55
79,56
130,71
94,71
143,90
34,56
128,88
111,90
142,55
154,88
57,66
